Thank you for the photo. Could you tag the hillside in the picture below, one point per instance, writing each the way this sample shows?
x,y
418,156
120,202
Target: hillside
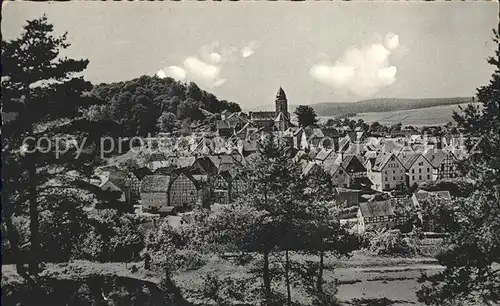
x,y
436,115
375,105
384,105
137,104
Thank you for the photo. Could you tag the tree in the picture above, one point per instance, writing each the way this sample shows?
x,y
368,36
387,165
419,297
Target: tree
x,y
305,115
281,213
166,122
43,89
472,275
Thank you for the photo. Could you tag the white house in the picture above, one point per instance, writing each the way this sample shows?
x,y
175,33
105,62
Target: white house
x,y
418,168
386,172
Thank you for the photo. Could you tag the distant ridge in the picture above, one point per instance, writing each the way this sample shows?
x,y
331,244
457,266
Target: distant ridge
x,y
376,105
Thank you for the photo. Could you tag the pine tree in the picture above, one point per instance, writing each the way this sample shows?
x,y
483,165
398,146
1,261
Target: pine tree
x,y
47,95
472,275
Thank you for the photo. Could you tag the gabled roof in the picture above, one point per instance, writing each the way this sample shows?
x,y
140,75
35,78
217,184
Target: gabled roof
x,y
262,116
140,173
185,161
376,209
331,166
324,154
308,168
381,160
408,159
155,183
344,143
436,157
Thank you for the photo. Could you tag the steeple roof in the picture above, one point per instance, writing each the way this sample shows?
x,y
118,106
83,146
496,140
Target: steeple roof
x,y
281,94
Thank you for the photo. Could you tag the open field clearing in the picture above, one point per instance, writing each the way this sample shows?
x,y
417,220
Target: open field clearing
x,y
437,115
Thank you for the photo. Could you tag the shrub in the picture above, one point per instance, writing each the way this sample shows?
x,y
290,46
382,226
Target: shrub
x,y
391,242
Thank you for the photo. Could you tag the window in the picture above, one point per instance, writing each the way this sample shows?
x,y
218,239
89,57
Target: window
x,y
386,179
428,170
385,172
419,177
419,170
341,171
428,176
393,171
393,178
413,177
412,170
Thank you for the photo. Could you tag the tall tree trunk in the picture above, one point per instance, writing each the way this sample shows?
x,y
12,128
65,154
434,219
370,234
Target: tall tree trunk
x,y
33,211
319,284
13,236
287,275
266,276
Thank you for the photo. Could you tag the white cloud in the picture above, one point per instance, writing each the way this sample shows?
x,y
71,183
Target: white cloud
x,y
200,69
249,49
206,67
361,71
175,72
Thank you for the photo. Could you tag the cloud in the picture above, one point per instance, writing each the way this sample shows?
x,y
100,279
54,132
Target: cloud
x,y
206,67
360,71
249,49
175,72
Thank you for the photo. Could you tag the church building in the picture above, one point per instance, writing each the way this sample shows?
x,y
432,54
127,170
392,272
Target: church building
x,y
279,119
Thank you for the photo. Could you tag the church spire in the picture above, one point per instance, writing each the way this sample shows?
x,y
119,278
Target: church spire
x,y
281,94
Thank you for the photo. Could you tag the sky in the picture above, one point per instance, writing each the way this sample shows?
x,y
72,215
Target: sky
x,y
244,51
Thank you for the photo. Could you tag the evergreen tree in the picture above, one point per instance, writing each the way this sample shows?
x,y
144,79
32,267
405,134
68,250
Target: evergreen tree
x,y
45,92
472,275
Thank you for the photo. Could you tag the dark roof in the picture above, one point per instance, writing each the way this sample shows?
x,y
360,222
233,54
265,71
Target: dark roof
x,y
140,173
376,209
262,116
281,94
118,178
155,183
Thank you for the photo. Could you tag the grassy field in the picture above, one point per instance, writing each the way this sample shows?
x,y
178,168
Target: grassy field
x,y
362,279
438,115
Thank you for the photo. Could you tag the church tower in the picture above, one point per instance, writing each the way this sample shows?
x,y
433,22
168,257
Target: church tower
x,y
281,103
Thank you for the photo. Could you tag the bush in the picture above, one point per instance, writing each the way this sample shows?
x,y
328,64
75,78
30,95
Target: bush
x,y
172,249
112,236
391,242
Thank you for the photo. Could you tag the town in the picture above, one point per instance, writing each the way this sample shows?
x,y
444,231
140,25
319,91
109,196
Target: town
x,y
345,167
372,175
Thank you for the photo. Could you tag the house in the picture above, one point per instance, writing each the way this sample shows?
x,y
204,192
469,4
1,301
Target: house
x,y
419,197
418,168
183,191
134,179
325,154
386,172
154,192
352,164
444,164
117,183
346,197
375,215
308,137
423,198
340,177
222,187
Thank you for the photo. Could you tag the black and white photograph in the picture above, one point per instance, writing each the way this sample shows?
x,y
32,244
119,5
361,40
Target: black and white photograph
x,y
250,153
